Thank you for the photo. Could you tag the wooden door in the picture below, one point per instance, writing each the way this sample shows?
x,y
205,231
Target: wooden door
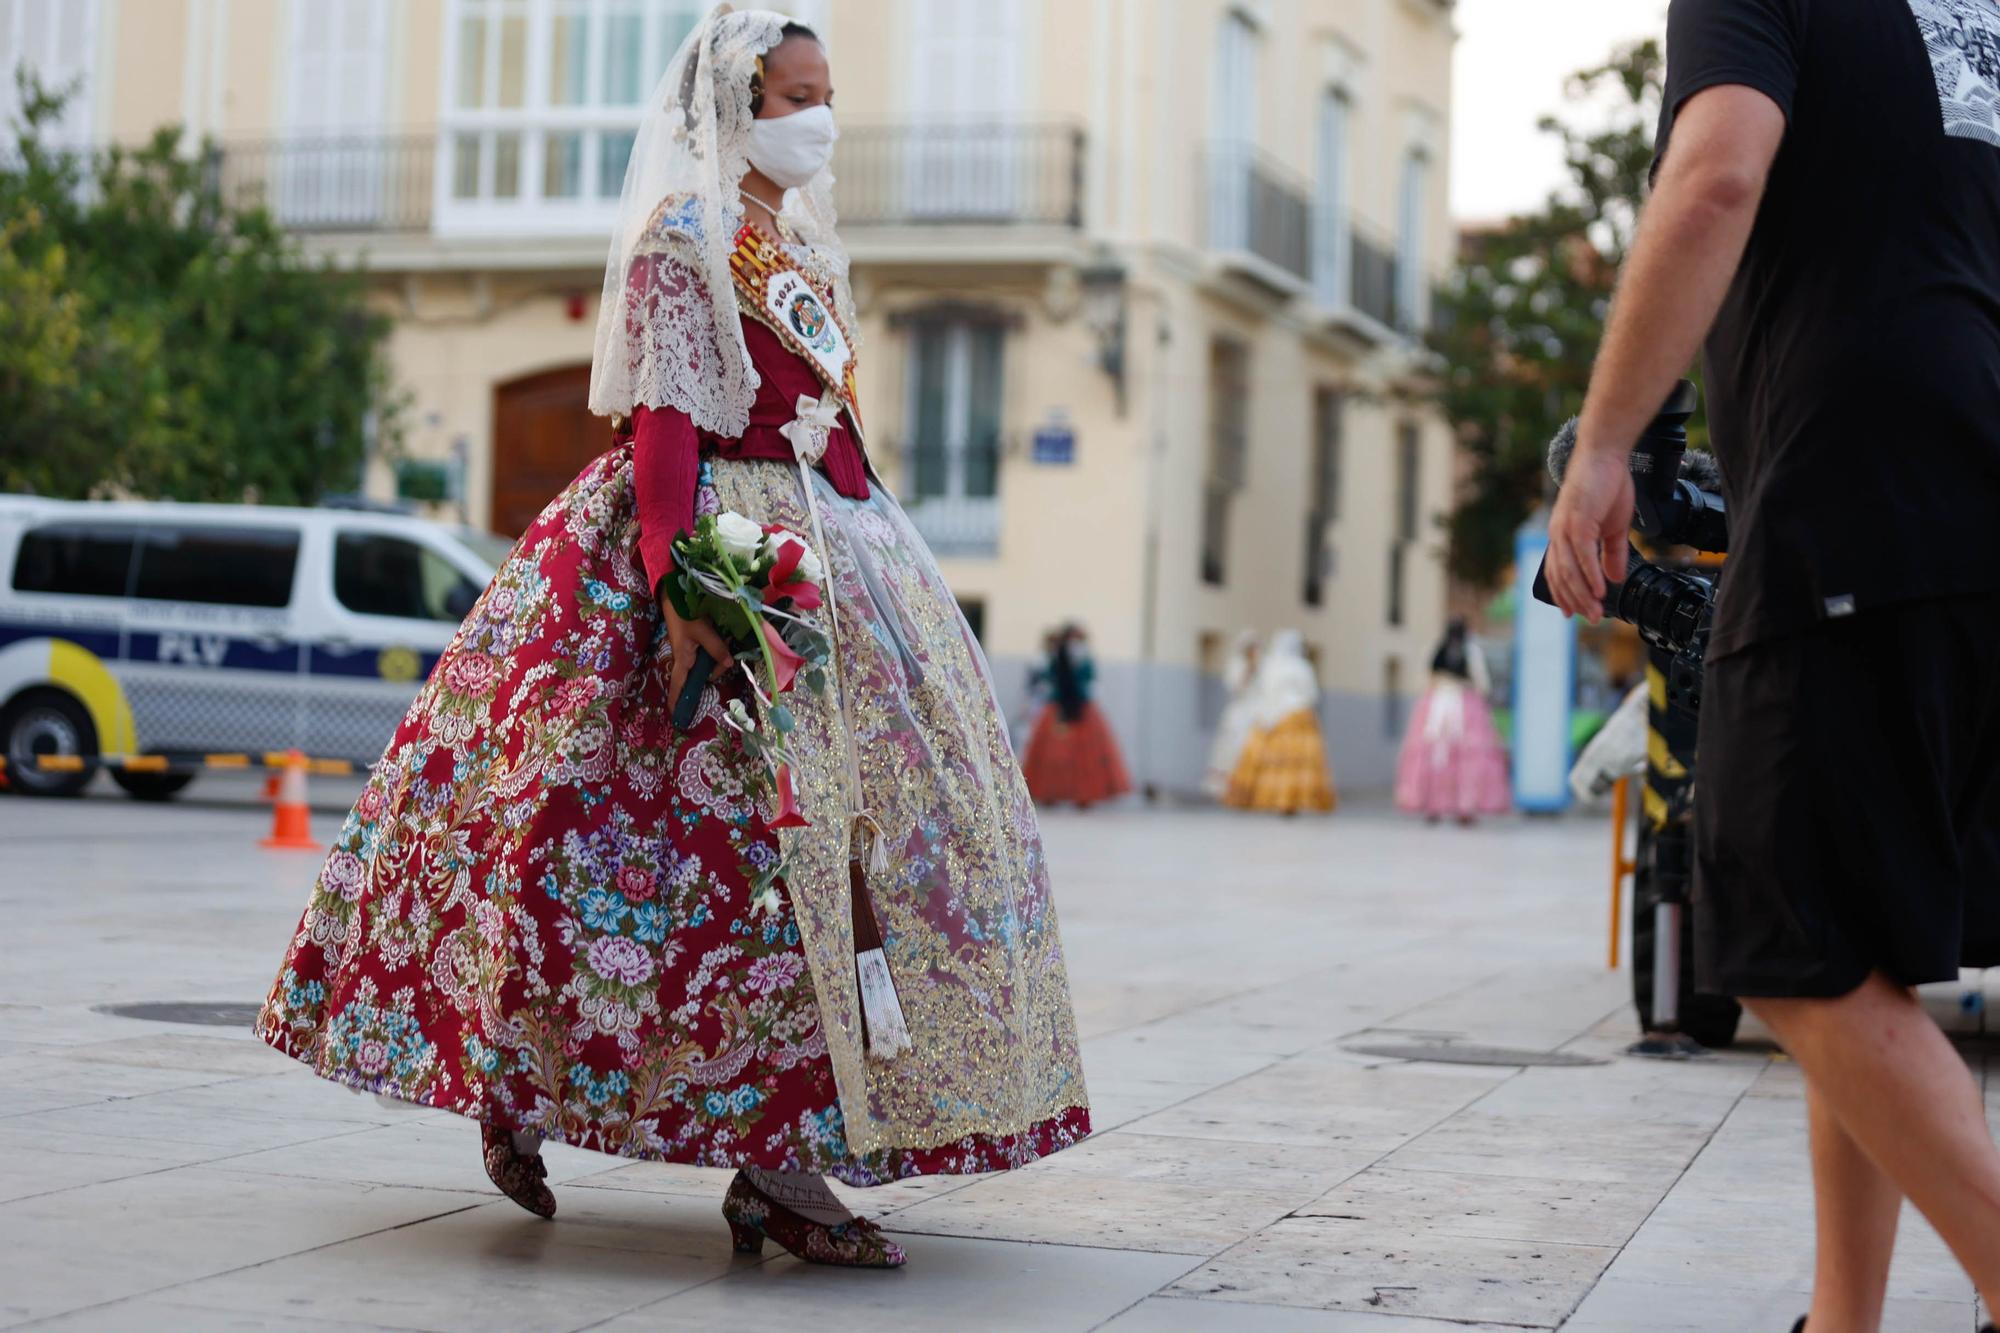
x,y
543,435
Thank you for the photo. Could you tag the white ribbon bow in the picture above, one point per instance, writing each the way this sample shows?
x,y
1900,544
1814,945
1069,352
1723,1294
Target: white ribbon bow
x,y
812,429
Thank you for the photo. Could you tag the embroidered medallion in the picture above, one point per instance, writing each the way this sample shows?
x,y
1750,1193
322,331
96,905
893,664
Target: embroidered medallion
x,y
778,295
791,300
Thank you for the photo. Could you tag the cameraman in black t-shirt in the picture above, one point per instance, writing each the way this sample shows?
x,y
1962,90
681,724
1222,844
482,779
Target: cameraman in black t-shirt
x,y
1826,212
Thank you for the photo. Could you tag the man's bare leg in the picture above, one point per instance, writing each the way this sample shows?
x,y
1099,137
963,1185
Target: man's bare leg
x,y
1858,1207
1892,1079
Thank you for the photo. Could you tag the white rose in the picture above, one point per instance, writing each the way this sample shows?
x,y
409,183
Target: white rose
x,y
740,537
810,569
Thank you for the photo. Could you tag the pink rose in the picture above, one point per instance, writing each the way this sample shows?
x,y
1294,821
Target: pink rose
x,y
574,694
621,960
371,804
636,884
500,603
776,972
372,1058
471,673
491,923
344,875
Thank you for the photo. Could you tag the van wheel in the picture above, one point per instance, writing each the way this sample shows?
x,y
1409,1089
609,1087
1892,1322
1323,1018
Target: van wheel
x,y
151,786
47,723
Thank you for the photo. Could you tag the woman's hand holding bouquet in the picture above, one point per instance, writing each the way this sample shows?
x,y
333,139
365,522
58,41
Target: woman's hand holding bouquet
x,y
743,588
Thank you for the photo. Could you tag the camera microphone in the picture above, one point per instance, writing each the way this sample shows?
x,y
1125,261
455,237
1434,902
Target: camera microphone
x,y
1700,467
1561,449
1677,490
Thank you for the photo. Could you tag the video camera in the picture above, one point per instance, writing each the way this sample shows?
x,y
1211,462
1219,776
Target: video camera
x,y
1678,504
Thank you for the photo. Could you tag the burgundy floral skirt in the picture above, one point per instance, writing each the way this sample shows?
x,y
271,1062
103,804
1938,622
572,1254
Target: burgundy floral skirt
x,y
538,912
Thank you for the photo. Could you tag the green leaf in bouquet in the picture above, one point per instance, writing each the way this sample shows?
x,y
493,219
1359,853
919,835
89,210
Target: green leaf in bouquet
x,y
815,679
798,636
782,719
685,594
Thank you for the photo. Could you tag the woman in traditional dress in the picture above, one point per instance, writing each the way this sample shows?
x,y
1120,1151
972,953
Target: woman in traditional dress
x,y
1452,763
1283,768
1073,757
1232,732
539,914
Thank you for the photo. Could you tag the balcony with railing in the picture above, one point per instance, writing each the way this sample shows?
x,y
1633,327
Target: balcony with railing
x,y
342,185
952,495
960,175
1376,280
1257,216
1375,295
524,185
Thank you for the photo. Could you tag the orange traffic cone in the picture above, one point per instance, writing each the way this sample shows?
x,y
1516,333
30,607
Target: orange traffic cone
x,y
291,820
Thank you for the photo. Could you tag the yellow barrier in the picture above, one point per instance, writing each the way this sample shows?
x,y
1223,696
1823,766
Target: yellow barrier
x,y
160,763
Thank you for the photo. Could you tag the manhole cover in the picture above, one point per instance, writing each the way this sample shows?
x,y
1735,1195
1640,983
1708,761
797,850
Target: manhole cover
x,y
1458,1053
226,1014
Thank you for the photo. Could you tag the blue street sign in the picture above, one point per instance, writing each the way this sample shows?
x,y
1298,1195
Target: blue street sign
x,y
1055,445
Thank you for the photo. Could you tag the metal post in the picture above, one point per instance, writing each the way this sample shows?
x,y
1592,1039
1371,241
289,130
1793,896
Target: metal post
x,y
1667,967
1621,799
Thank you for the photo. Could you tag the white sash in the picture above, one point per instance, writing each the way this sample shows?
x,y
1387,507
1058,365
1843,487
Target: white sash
x,y
791,301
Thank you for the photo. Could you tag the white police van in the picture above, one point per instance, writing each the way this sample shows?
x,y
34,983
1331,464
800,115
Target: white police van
x,y
185,630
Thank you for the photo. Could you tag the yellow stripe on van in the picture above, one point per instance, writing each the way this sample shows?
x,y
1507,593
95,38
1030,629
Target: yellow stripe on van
x,y
79,671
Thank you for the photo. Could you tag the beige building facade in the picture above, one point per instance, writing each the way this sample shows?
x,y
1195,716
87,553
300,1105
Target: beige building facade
x,y
1139,280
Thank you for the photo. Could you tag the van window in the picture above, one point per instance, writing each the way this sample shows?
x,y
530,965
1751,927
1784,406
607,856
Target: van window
x,y
76,559
228,566
375,574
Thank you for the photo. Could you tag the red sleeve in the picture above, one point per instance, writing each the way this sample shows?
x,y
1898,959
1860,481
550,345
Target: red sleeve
x,y
666,467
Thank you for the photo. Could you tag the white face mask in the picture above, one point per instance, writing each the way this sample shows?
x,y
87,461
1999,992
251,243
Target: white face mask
x,y
793,149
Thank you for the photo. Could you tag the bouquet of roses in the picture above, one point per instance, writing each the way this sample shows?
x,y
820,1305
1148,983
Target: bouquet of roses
x,y
753,583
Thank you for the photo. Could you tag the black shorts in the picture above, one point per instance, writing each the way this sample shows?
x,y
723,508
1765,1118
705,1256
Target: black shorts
x,y
1847,804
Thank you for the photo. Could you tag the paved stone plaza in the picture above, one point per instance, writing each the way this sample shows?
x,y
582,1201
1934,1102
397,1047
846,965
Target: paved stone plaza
x,y
1249,1172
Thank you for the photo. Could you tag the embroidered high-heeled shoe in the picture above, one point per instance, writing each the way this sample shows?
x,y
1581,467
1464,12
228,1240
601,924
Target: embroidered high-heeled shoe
x,y
522,1179
753,1215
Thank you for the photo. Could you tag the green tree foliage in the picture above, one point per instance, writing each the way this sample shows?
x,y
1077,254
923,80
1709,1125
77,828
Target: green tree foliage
x,y
1526,307
157,340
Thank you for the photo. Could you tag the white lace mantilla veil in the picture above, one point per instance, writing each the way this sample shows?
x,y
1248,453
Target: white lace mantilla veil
x,y
669,332
1284,683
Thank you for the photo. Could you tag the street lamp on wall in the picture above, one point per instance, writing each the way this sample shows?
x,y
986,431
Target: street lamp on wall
x,y
1103,284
